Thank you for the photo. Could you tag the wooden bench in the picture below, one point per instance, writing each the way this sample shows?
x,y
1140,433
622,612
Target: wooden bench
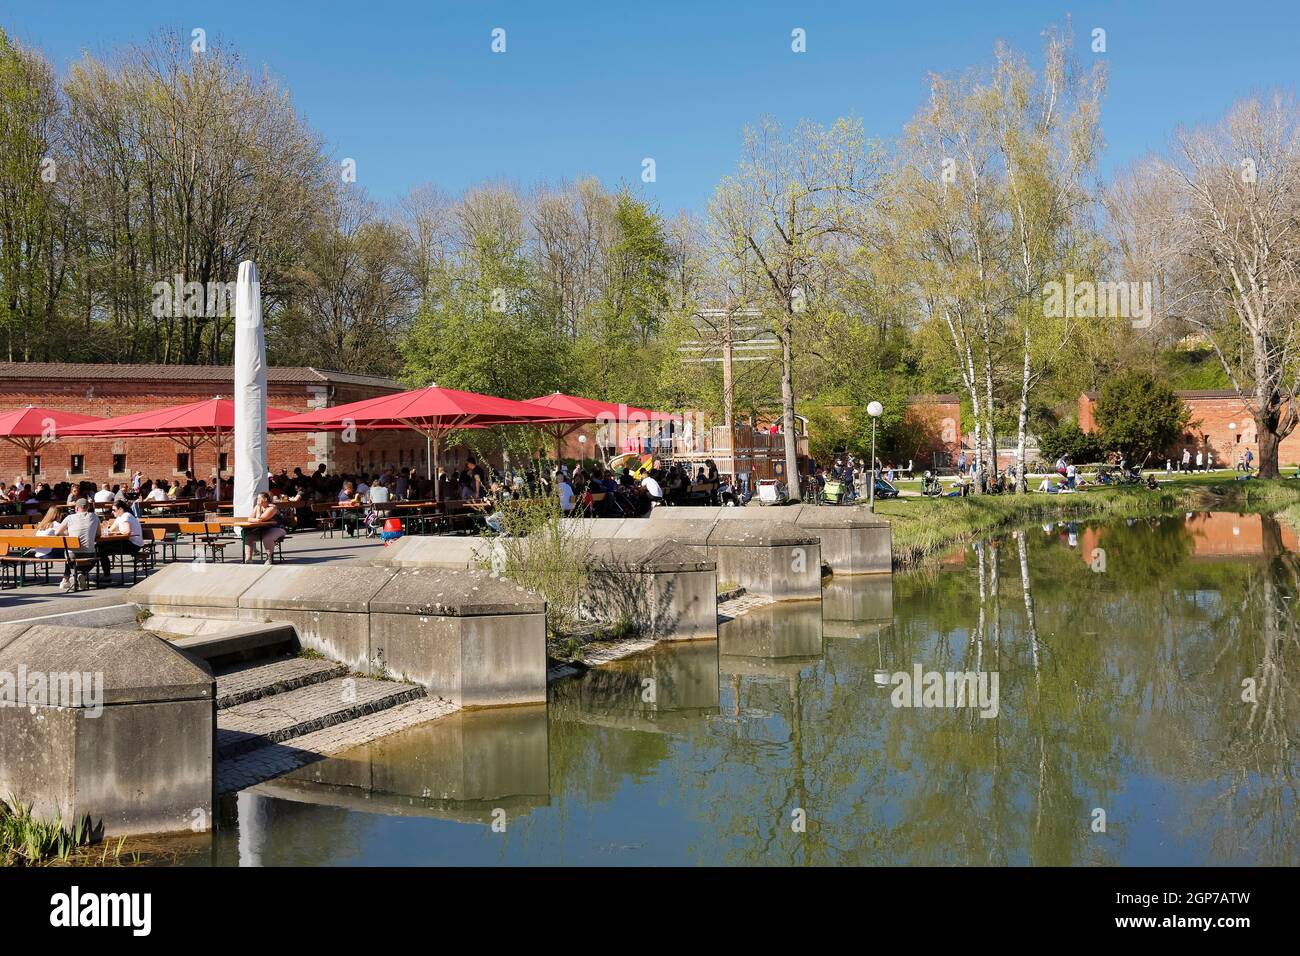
x,y
17,554
209,535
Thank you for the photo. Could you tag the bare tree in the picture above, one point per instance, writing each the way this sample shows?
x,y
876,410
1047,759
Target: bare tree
x,y
1233,210
785,207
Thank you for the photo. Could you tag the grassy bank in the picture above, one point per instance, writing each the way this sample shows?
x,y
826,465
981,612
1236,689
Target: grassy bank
x,y
925,527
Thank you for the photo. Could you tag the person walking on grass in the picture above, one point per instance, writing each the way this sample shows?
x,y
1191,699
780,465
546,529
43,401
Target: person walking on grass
x,y
1187,460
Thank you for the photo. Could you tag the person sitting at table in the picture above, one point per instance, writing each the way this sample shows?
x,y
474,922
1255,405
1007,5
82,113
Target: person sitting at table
x,y
565,492
83,525
124,522
158,492
348,494
104,496
49,525
264,510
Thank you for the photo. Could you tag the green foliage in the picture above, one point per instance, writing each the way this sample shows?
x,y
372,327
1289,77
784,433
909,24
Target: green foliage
x,y
547,555
1070,440
26,841
1139,415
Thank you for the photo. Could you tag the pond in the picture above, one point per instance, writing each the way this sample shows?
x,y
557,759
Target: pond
x,y
1139,706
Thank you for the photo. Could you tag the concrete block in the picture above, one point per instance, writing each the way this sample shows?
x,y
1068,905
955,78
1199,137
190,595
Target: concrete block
x,y
207,589
452,552
666,590
132,750
468,636
328,605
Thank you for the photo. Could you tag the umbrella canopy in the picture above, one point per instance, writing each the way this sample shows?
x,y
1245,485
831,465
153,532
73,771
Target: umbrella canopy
x,y
432,411
189,425
592,410
209,418
32,428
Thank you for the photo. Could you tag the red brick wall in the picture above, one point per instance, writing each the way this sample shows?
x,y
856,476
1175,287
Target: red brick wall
x,y
1212,414
156,457
933,425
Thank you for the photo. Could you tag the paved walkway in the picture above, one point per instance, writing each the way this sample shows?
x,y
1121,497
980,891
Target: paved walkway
x,y
41,600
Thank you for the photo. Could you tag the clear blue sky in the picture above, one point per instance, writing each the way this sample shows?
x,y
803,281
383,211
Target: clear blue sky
x,y
412,91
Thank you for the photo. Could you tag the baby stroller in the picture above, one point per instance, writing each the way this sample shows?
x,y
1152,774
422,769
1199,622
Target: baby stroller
x,y
886,490
834,492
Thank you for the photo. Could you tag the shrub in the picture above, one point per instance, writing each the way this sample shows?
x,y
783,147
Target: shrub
x,y
545,554
1139,415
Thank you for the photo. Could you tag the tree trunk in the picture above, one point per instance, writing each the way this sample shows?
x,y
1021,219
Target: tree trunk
x,y
787,408
1269,444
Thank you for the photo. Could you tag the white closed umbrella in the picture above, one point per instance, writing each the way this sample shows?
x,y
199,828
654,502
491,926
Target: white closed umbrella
x,y
250,392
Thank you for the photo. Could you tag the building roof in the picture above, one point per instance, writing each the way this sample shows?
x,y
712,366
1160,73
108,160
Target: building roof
x,y
223,374
1186,393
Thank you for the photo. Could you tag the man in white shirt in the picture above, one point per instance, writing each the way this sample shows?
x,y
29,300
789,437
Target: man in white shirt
x,y
159,492
123,522
565,491
379,493
104,495
83,525
652,488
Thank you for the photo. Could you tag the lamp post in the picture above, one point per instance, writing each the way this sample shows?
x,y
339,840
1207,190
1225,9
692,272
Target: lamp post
x,y
874,409
582,451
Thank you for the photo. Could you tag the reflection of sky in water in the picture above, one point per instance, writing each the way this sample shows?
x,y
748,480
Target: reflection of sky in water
x,y
1127,700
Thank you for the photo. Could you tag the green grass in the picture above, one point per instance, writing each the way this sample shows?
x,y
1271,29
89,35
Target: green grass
x,y
925,527
27,841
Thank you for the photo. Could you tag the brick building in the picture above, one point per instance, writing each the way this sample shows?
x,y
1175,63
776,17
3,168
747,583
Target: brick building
x,y
111,390
1220,423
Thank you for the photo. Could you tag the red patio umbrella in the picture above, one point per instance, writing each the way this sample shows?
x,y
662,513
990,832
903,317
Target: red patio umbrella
x,y
586,411
32,428
189,425
432,411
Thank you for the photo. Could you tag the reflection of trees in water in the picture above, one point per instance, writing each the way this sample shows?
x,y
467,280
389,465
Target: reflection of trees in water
x,y
1110,684
1256,788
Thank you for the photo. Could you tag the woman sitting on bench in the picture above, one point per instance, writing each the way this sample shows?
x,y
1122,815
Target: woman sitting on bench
x,y
263,510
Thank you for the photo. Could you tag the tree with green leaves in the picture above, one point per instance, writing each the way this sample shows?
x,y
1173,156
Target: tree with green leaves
x,y
1140,416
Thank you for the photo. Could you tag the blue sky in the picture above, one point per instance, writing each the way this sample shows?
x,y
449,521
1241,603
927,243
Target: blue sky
x,y
412,91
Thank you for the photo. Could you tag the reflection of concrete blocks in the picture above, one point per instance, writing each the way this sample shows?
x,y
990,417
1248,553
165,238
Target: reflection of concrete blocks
x,y
143,765
463,767
858,605
470,637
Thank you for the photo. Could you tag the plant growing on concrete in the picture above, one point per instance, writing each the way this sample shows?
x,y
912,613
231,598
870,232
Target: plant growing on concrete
x,y
27,841
544,553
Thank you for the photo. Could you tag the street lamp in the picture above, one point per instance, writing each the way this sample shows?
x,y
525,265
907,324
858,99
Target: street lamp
x,y
874,409
582,451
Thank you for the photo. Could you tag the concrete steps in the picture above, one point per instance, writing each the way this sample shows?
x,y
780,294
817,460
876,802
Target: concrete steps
x,y
222,643
242,683
280,717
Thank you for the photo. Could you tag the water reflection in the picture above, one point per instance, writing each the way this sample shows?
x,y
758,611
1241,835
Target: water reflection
x,y
1146,668
857,606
